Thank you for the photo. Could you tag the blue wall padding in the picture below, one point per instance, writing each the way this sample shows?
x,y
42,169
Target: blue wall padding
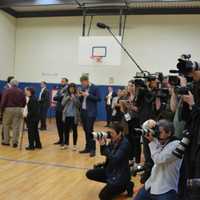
x,y
102,90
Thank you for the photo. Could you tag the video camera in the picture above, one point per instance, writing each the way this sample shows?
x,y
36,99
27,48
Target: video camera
x,y
185,66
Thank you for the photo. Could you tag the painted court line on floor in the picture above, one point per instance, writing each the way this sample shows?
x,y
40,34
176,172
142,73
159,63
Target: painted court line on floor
x,y
35,162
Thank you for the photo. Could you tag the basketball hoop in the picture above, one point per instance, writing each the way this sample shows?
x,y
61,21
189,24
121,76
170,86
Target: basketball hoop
x,y
97,59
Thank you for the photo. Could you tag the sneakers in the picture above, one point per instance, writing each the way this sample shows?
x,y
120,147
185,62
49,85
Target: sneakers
x,y
64,147
74,148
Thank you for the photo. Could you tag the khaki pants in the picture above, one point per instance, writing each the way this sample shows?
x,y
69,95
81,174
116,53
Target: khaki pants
x,y
12,117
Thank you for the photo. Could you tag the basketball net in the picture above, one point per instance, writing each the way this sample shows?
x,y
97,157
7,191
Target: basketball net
x,y
97,59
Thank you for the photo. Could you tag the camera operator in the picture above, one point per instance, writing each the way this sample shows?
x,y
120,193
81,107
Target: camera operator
x,y
191,114
115,173
145,102
117,114
176,105
131,118
146,99
162,103
163,182
108,105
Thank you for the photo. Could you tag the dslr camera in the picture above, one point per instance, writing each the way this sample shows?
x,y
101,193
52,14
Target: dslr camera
x,y
149,126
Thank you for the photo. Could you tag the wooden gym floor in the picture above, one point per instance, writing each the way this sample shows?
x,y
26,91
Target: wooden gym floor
x,y
50,173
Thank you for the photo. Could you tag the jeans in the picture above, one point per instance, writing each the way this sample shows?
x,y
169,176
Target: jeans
x,y
145,195
110,191
70,125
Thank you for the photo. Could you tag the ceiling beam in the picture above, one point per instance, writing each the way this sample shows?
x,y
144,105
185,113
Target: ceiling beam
x,y
100,12
10,11
19,3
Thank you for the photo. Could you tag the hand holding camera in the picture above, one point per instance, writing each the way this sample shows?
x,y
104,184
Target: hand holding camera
x,y
150,130
84,93
189,99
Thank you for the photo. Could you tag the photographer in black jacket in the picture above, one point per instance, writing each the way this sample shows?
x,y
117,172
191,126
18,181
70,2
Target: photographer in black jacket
x,y
191,115
146,103
115,173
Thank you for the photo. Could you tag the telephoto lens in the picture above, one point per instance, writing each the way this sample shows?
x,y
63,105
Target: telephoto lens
x,y
193,183
101,134
183,145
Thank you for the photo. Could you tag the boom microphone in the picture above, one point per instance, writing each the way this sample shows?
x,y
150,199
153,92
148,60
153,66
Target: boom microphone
x,y
102,25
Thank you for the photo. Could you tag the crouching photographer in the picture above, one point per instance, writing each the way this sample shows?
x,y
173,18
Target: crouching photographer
x,y
115,173
163,181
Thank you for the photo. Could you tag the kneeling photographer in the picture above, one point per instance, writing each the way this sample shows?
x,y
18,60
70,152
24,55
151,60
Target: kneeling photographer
x,y
115,172
163,181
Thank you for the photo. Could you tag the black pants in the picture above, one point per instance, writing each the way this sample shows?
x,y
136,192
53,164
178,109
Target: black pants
x,y
148,160
70,125
60,125
108,114
33,133
43,116
135,150
134,140
88,126
2,135
110,191
193,194
182,186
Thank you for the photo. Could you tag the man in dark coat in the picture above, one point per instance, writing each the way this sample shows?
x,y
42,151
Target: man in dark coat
x,y
89,97
59,110
44,101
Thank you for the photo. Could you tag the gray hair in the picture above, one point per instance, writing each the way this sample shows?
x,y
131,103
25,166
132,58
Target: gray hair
x,y
14,82
167,126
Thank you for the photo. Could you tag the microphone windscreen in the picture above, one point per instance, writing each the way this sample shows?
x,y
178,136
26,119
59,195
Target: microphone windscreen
x,y
174,71
101,25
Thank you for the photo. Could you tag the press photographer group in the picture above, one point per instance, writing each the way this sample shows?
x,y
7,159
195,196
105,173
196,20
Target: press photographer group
x,y
156,116
152,130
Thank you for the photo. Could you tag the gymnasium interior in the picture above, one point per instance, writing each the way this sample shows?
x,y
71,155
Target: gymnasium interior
x,y
105,42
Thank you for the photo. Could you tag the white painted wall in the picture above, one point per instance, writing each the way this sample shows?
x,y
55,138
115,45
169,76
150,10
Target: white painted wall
x,y
47,48
7,45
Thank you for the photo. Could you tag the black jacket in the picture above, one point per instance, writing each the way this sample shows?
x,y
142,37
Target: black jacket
x,y
192,156
45,98
33,109
117,162
58,98
145,103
